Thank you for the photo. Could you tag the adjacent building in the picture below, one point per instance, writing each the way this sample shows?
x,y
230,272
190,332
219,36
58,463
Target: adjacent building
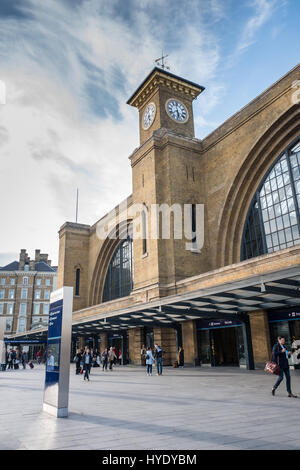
x,y
25,287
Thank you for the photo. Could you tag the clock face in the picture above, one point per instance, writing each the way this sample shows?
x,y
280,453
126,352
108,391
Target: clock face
x,y
177,111
148,116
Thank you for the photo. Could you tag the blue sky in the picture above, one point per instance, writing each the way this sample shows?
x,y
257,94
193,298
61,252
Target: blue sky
x,y
69,67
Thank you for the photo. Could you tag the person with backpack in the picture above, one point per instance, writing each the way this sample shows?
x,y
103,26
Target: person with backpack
x,y
158,357
39,356
14,360
111,358
104,358
24,359
149,361
280,355
10,360
77,359
180,357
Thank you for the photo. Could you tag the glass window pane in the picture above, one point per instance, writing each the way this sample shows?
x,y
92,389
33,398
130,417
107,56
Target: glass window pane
x,y
296,148
284,165
293,160
265,215
267,227
295,231
275,197
273,225
288,234
296,172
275,239
279,222
281,236
277,210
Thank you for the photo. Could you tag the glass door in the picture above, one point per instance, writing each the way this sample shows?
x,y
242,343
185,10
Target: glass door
x,y
241,346
204,347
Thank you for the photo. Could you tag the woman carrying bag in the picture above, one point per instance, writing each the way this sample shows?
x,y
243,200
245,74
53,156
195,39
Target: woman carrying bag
x,y
280,356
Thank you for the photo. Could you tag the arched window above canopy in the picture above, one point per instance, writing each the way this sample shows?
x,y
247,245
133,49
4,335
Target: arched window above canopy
x,y
119,277
273,220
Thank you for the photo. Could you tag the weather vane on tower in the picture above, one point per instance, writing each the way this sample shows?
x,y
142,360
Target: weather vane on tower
x,y
161,62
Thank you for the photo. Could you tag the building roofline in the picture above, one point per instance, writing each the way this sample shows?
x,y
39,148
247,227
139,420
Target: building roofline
x,y
167,74
222,128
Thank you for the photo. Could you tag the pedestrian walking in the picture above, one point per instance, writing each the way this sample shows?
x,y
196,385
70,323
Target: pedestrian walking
x,y
158,357
104,358
111,357
281,355
143,355
149,361
50,361
87,363
115,355
10,360
120,357
39,356
24,359
77,360
180,357
17,360
4,363
45,356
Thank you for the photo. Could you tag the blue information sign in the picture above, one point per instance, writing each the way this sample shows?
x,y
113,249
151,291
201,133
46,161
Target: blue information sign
x,y
210,324
25,341
284,314
56,393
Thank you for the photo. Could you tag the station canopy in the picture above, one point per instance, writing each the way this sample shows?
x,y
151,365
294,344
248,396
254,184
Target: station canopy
x,y
231,301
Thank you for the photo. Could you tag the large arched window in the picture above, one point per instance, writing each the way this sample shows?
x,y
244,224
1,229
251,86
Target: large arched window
x,y
273,220
119,278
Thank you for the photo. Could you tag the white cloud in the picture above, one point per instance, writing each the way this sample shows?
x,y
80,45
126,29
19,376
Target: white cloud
x,y
263,10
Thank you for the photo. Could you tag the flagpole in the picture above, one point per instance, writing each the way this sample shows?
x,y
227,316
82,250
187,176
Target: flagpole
x,y
77,205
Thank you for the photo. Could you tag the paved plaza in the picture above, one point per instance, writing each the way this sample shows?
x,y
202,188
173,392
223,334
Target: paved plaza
x,y
190,408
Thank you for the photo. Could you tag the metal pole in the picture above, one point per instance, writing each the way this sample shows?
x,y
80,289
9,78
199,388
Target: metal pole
x,y
77,205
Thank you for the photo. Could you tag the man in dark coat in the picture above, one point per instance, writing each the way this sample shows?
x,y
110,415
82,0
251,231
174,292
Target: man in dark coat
x,y
280,355
87,360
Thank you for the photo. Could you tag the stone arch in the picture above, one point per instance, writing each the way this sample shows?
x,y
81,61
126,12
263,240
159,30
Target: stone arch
x,y
104,257
260,158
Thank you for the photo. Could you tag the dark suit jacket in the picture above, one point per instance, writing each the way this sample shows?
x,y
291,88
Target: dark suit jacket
x,y
280,357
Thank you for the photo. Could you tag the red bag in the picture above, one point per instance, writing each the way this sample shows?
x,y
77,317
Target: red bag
x,y
272,368
81,371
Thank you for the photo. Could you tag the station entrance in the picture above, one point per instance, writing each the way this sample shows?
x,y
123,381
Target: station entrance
x,y
221,343
119,341
286,323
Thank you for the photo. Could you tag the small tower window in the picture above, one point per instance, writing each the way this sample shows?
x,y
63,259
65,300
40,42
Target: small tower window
x,y
77,281
144,229
194,223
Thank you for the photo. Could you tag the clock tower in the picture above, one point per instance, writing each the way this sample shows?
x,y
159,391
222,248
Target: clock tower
x,y
165,177
165,100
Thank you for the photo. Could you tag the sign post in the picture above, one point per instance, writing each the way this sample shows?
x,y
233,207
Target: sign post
x,y
56,392
2,344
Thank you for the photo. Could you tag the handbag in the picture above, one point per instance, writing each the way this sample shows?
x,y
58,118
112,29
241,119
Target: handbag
x,y
272,368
